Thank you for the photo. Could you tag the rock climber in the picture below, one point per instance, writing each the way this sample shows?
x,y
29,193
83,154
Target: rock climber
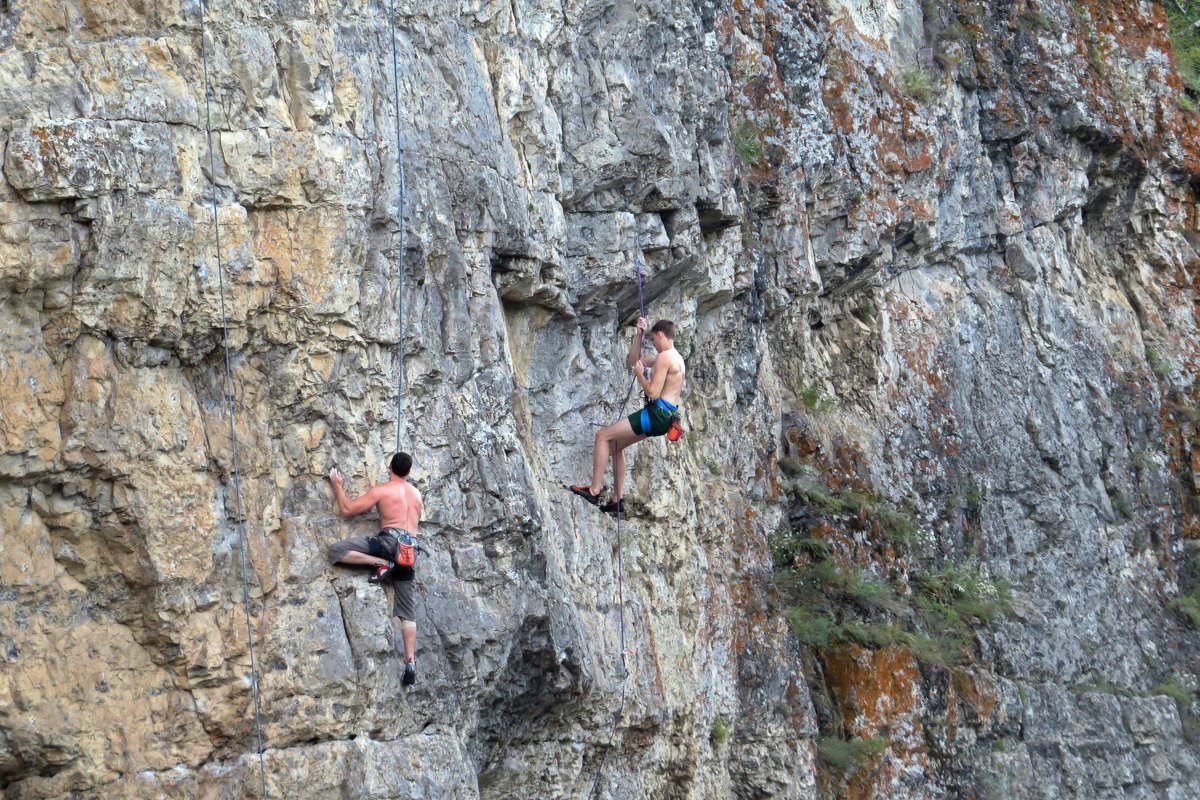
x,y
663,390
391,553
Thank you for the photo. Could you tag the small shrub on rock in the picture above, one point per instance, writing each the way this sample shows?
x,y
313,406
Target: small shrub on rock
x,y
919,85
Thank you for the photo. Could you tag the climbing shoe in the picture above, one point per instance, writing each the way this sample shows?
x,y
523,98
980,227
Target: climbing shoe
x,y
586,493
381,573
615,507
410,674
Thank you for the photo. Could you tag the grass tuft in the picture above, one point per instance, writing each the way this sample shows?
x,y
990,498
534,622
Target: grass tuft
x,y
892,524
719,734
1031,20
813,630
919,85
747,143
1158,365
849,755
1177,690
1189,606
813,399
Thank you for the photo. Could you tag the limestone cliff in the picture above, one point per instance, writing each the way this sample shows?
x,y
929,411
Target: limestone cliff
x,y
934,265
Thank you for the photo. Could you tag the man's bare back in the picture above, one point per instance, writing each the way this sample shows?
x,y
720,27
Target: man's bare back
x,y
398,501
672,387
666,366
399,505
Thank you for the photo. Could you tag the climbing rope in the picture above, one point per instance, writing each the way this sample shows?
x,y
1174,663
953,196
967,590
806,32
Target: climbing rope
x,y
400,219
637,239
229,392
620,513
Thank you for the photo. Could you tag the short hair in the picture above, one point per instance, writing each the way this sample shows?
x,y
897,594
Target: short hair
x,y
401,464
665,327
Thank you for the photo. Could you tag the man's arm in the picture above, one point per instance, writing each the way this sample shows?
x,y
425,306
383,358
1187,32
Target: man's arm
x,y
351,506
635,354
658,378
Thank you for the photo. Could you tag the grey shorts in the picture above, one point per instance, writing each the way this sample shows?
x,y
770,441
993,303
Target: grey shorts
x,y
358,544
403,596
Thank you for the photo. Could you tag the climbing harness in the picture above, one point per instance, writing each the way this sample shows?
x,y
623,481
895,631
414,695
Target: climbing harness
x,y
395,545
400,220
229,392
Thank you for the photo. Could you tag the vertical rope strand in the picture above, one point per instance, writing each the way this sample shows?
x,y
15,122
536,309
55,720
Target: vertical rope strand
x,y
621,604
620,557
229,392
637,259
400,219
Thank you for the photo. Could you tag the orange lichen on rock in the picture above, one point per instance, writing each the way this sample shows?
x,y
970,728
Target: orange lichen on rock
x,y
878,695
875,690
1110,29
976,695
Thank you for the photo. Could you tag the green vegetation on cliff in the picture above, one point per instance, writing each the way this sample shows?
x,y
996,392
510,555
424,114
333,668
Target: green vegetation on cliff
x,y
1184,16
933,610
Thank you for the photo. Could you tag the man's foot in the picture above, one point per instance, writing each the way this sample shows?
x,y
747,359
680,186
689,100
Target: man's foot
x,y
586,493
615,507
382,572
410,674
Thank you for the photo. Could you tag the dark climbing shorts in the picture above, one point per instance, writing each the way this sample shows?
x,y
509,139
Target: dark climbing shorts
x,y
403,599
404,603
654,419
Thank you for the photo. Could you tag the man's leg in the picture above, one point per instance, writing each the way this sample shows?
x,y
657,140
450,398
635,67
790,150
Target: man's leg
x,y
620,442
599,459
404,607
408,630
355,558
355,552
612,437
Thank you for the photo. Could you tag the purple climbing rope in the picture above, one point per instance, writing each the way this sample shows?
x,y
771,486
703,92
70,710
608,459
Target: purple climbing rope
x,y
637,237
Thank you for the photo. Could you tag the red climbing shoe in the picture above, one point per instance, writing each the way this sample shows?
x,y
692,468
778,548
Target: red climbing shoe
x,y
586,493
381,573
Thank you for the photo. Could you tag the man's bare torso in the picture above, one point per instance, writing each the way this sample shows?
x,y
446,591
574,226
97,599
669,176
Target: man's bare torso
x,y
399,505
672,390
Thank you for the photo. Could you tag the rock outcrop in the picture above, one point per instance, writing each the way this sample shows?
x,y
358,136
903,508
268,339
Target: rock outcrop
x,y
940,254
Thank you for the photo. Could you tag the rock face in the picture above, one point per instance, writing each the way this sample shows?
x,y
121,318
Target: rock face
x,y
947,250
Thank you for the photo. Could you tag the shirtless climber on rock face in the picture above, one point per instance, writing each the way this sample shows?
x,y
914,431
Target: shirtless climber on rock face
x,y
663,392
391,552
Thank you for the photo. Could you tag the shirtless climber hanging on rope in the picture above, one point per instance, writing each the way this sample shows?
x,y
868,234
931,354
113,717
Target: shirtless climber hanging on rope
x,y
391,553
661,414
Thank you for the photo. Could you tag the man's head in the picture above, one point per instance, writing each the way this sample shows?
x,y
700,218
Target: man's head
x,y
401,464
662,335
